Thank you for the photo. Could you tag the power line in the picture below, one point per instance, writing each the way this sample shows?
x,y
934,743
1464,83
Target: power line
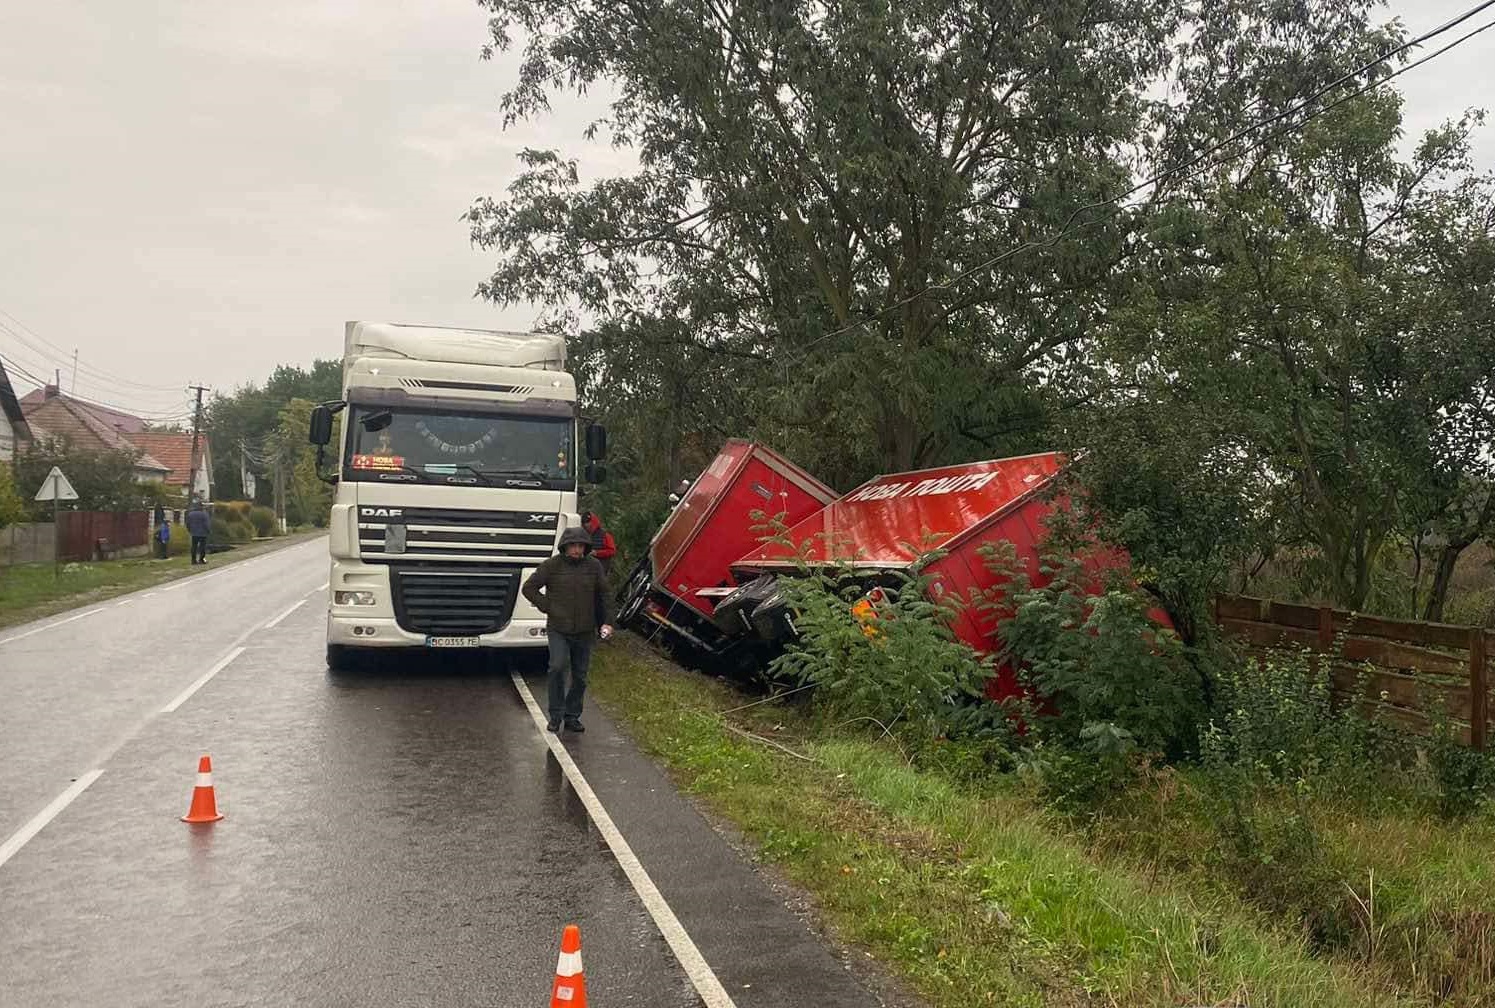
x,y
1297,106
176,413
34,374
65,359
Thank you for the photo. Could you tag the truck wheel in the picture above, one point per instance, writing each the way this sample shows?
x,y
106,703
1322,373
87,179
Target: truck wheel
x,y
633,594
339,658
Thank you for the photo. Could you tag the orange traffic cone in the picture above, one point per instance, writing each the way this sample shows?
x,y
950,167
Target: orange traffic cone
x,y
570,988
204,802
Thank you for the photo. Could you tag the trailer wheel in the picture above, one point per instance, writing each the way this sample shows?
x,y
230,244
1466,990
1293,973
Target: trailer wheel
x,y
633,596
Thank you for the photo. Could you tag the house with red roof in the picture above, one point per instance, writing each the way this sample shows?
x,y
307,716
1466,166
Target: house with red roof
x,y
115,420
53,415
175,452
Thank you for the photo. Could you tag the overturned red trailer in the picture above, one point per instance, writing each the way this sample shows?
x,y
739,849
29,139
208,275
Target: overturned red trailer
x,y
890,523
895,521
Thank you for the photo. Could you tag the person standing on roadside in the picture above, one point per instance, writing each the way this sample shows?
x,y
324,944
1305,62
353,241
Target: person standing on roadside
x,y
163,538
604,547
199,526
571,590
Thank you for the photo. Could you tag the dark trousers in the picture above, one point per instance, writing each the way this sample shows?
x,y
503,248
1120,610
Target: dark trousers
x,y
573,653
199,549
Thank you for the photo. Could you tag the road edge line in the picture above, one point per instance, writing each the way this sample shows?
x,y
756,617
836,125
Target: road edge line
x,y
21,837
277,620
62,622
186,694
701,976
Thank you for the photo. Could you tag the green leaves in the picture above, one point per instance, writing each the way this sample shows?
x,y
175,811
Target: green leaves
x,y
900,664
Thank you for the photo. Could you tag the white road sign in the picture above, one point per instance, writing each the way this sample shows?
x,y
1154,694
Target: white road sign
x,y
56,488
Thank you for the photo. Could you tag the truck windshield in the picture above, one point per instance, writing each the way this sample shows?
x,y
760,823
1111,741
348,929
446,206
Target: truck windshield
x,y
470,449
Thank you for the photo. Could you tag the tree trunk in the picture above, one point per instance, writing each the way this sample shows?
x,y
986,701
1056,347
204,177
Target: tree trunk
x,y
898,439
1448,559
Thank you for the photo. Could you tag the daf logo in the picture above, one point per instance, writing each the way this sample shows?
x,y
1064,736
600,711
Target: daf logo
x,y
371,512
539,518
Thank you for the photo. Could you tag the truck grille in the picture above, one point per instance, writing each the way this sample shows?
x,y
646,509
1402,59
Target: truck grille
x,y
456,535
454,602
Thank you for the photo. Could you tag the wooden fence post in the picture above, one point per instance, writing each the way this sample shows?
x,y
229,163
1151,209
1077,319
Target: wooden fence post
x,y
1326,627
1479,690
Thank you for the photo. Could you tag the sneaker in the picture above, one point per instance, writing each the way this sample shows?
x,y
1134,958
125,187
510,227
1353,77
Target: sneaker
x,y
574,724
553,725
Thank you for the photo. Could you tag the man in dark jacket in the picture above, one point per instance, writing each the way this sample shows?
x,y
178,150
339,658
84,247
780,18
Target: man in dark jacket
x,y
200,526
604,548
578,608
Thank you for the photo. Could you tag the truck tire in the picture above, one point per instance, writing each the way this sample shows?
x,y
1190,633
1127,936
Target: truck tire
x,y
633,595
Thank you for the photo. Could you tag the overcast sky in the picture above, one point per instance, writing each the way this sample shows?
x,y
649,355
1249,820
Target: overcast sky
x,y
199,192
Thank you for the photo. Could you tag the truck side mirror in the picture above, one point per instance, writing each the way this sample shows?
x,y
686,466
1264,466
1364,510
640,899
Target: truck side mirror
x,y
596,473
596,442
320,428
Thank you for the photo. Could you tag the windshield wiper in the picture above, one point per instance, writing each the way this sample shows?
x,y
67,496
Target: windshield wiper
x,y
480,474
534,471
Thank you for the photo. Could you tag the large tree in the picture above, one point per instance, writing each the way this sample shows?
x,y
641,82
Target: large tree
x,y
809,172
242,423
1305,297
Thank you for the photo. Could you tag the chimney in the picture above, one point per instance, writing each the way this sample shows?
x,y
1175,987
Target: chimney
x,y
49,392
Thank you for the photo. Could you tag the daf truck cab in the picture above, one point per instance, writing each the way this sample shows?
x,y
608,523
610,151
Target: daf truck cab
x,y
458,464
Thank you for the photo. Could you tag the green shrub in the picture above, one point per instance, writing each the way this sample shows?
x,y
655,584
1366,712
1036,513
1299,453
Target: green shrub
x,y
903,666
219,532
240,531
263,520
232,510
1110,678
1462,780
1277,721
181,540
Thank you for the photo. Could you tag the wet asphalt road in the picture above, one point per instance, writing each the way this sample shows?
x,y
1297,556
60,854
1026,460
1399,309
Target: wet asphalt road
x,y
400,836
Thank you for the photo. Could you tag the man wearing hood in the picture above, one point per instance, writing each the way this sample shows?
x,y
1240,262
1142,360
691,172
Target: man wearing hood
x,y
571,590
200,525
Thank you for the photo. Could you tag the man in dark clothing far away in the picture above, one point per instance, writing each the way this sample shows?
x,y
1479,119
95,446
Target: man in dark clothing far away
x,y
200,526
578,609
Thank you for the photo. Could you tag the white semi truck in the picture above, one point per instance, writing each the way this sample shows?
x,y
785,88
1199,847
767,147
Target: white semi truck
x,y
458,467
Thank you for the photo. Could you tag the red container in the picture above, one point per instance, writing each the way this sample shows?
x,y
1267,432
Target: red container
x,y
713,525
889,522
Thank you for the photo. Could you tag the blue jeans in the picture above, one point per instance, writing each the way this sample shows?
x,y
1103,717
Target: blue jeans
x,y
571,652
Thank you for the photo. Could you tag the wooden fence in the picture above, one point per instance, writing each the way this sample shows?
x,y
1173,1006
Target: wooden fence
x,y
1409,670
83,532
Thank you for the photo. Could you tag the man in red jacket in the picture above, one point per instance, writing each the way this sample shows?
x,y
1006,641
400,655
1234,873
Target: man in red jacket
x,y
603,545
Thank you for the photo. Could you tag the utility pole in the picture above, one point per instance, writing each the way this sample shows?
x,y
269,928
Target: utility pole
x,y
196,430
75,371
280,487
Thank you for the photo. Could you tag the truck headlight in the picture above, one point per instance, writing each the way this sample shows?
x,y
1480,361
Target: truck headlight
x,y
353,598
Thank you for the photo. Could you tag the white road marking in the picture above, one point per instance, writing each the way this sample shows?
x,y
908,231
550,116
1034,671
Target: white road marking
x,y
713,994
179,584
38,822
121,605
51,626
276,621
325,586
186,694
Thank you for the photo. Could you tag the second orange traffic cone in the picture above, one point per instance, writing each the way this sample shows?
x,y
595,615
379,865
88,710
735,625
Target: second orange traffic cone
x,y
204,801
570,987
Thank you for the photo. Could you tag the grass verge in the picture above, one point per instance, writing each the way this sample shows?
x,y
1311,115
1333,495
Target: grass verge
x,y
32,591
972,899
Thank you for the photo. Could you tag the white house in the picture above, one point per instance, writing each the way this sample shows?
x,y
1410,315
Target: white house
x,y
14,431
